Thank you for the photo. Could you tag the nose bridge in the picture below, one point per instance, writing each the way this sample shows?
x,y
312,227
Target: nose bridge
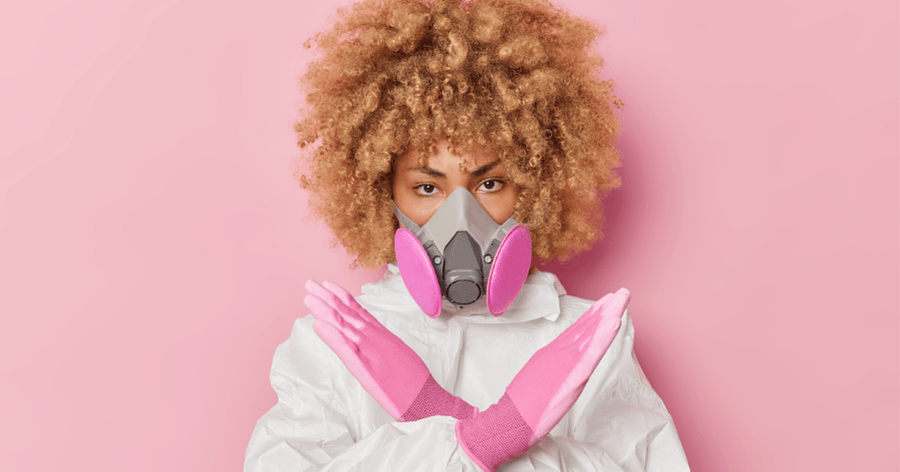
x,y
457,186
457,192
451,191
461,211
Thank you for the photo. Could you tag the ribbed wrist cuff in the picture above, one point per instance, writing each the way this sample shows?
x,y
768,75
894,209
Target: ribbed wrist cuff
x,y
433,400
496,435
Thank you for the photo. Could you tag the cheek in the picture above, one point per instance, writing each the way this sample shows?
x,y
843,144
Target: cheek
x,y
417,209
420,216
501,209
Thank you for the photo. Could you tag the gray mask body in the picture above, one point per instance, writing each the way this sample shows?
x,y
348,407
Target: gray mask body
x,y
461,241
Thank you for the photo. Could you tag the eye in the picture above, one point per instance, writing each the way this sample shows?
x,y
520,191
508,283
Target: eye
x,y
491,185
425,189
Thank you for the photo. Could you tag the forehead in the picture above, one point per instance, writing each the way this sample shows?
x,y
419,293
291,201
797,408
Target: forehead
x,y
444,160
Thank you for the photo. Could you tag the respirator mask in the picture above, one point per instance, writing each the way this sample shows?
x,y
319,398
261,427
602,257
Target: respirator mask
x,y
462,254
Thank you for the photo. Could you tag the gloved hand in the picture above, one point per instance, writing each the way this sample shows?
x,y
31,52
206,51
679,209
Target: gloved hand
x,y
544,390
386,367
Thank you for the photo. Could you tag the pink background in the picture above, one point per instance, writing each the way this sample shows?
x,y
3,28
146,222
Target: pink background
x,y
154,246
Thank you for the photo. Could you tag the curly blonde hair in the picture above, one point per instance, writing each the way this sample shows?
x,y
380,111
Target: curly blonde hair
x,y
518,77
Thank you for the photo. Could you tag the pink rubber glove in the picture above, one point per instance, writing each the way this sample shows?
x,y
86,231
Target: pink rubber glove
x,y
544,390
386,367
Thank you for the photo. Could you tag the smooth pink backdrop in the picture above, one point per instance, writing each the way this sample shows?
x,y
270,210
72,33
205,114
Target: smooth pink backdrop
x,y
154,246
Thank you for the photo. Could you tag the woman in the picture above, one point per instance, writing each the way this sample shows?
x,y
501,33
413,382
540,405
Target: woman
x,y
426,121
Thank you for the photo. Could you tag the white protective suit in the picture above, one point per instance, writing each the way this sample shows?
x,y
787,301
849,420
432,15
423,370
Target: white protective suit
x,y
325,421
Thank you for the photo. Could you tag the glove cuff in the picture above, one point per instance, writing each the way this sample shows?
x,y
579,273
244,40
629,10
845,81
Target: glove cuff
x,y
496,435
433,400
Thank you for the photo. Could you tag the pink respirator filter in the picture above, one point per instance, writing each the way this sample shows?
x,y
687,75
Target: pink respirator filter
x,y
508,269
461,254
417,272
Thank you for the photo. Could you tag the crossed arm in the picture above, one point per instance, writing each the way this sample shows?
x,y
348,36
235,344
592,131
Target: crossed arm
x,y
534,402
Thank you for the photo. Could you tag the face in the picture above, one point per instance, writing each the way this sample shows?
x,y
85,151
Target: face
x,y
420,189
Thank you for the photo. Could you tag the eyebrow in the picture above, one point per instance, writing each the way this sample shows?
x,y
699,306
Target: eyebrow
x,y
428,170
484,169
479,171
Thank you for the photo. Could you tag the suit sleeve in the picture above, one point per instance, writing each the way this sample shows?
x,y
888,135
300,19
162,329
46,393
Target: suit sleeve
x,y
325,421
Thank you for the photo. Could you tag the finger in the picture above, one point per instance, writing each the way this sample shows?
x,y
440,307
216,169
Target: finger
x,y
609,327
333,336
616,305
311,285
604,337
599,304
322,310
318,290
342,294
612,320
586,328
348,314
314,288
603,331
351,354
589,332
349,300
591,315
585,317
587,322
346,350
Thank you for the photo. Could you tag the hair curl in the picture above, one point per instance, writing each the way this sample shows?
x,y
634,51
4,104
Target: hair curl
x,y
518,77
